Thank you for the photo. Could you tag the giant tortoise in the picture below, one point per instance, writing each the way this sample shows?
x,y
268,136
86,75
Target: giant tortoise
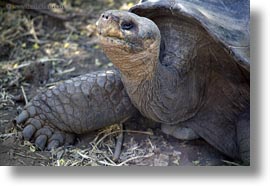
x,y
181,63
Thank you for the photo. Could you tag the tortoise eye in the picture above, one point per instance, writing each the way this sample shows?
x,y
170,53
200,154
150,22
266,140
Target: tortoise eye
x,y
127,25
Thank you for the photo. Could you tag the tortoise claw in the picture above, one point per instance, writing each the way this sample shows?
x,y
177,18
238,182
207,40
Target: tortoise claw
x,y
69,139
53,145
41,141
42,133
23,116
28,132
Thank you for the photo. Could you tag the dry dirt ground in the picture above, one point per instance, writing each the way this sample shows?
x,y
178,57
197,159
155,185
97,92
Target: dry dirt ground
x,y
39,49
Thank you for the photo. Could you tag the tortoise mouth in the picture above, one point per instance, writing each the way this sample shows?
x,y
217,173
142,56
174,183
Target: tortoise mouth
x,y
111,39
112,42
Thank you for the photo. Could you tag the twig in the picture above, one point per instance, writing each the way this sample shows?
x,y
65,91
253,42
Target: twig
x,y
33,32
231,163
24,95
31,157
44,157
119,144
66,71
149,141
22,162
32,62
111,161
56,16
17,60
7,135
68,37
52,59
14,81
83,155
106,163
130,131
42,11
38,41
134,158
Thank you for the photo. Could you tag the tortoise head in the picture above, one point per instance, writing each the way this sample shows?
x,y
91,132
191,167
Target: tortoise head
x,y
126,38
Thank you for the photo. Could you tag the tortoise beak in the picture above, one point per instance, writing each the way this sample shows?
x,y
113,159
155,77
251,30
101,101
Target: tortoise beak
x,y
108,25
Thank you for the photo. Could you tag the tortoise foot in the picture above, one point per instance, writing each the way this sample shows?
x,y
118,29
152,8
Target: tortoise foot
x,y
43,134
179,132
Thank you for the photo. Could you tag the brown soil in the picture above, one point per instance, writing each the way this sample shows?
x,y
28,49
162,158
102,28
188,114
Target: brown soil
x,y
38,50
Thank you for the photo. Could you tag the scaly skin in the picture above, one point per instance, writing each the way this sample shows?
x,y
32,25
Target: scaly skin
x,y
189,84
76,106
178,75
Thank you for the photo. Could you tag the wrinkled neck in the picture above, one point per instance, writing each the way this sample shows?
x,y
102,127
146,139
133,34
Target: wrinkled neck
x,y
155,95
139,67
142,80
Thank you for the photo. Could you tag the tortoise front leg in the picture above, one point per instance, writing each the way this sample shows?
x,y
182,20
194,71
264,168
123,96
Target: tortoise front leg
x,y
76,106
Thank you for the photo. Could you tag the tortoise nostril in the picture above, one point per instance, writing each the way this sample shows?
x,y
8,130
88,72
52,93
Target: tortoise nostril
x,y
105,16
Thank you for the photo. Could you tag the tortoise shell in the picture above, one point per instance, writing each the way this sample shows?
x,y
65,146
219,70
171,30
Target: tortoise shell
x,y
227,21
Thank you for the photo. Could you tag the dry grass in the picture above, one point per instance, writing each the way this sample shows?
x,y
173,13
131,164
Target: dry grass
x,y
67,48
100,151
5,98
